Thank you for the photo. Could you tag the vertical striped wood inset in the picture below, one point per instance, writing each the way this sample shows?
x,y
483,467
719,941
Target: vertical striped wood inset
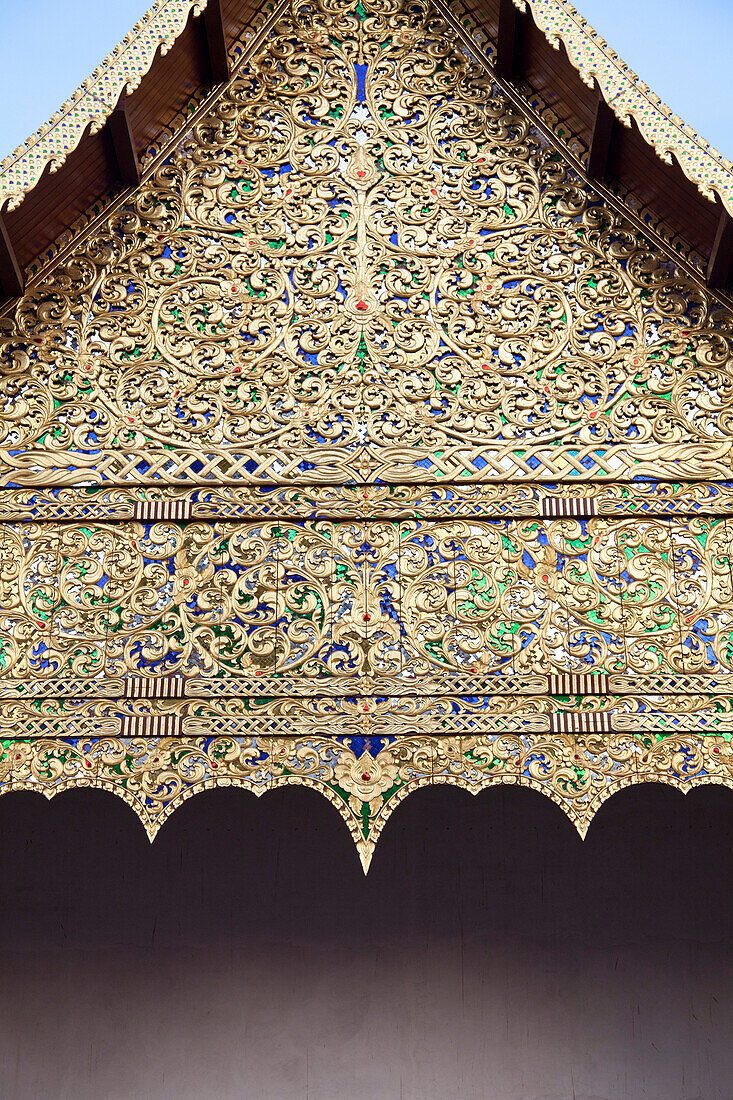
x,y
572,683
167,687
151,725
589,721
148,511
568,507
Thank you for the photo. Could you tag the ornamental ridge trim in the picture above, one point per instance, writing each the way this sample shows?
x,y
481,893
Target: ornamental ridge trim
x,y
94,100
123,69
631,99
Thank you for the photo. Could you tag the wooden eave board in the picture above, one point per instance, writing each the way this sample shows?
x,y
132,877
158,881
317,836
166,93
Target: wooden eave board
x,y
88,175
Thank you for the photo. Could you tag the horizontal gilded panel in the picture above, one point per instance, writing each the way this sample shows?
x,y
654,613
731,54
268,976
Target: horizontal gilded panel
x,y
657,498
393,600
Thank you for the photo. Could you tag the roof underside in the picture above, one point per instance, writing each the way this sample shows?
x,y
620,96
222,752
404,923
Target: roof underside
x,y
141,100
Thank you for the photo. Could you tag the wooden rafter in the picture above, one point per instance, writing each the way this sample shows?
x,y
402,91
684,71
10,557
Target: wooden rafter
x,y
12,283
507,41
601,138
123,144
216,42
720,265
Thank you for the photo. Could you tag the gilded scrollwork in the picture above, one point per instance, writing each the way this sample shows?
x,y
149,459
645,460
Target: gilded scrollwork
x,y
364,449
364,781
363,245
396,600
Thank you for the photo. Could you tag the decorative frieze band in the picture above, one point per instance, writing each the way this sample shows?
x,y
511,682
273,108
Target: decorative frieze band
x,y
561,688
564,500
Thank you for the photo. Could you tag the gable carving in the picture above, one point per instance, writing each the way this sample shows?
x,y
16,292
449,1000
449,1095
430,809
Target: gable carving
x,y
362,446
365,260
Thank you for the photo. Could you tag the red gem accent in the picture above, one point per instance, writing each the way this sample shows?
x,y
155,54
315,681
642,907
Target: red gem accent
x,y
594,413
361,174
289,191
366,776
485,366
362,305
366,618
433,191
716,749
545,577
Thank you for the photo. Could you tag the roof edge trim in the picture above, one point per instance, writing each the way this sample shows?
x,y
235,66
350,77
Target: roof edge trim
x,y
631,99
122,70
95,99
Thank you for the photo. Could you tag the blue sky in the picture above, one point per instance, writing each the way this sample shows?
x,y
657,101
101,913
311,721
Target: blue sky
x,y
682,48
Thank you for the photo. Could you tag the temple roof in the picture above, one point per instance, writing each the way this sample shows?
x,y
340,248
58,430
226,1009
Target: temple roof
x,y
142,98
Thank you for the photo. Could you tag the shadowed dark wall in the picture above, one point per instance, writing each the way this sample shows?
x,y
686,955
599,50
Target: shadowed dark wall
x,y
489,953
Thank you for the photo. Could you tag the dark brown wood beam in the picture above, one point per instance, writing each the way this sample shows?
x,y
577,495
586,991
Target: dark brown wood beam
x,y
123,144
216,42
12,283
720,265
601,138
507,42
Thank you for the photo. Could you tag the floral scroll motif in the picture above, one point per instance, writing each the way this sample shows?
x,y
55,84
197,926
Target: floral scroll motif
x,y
392,599
363,448
155,775
363,245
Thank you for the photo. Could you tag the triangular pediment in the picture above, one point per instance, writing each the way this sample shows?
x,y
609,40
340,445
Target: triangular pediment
x,y
364,263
